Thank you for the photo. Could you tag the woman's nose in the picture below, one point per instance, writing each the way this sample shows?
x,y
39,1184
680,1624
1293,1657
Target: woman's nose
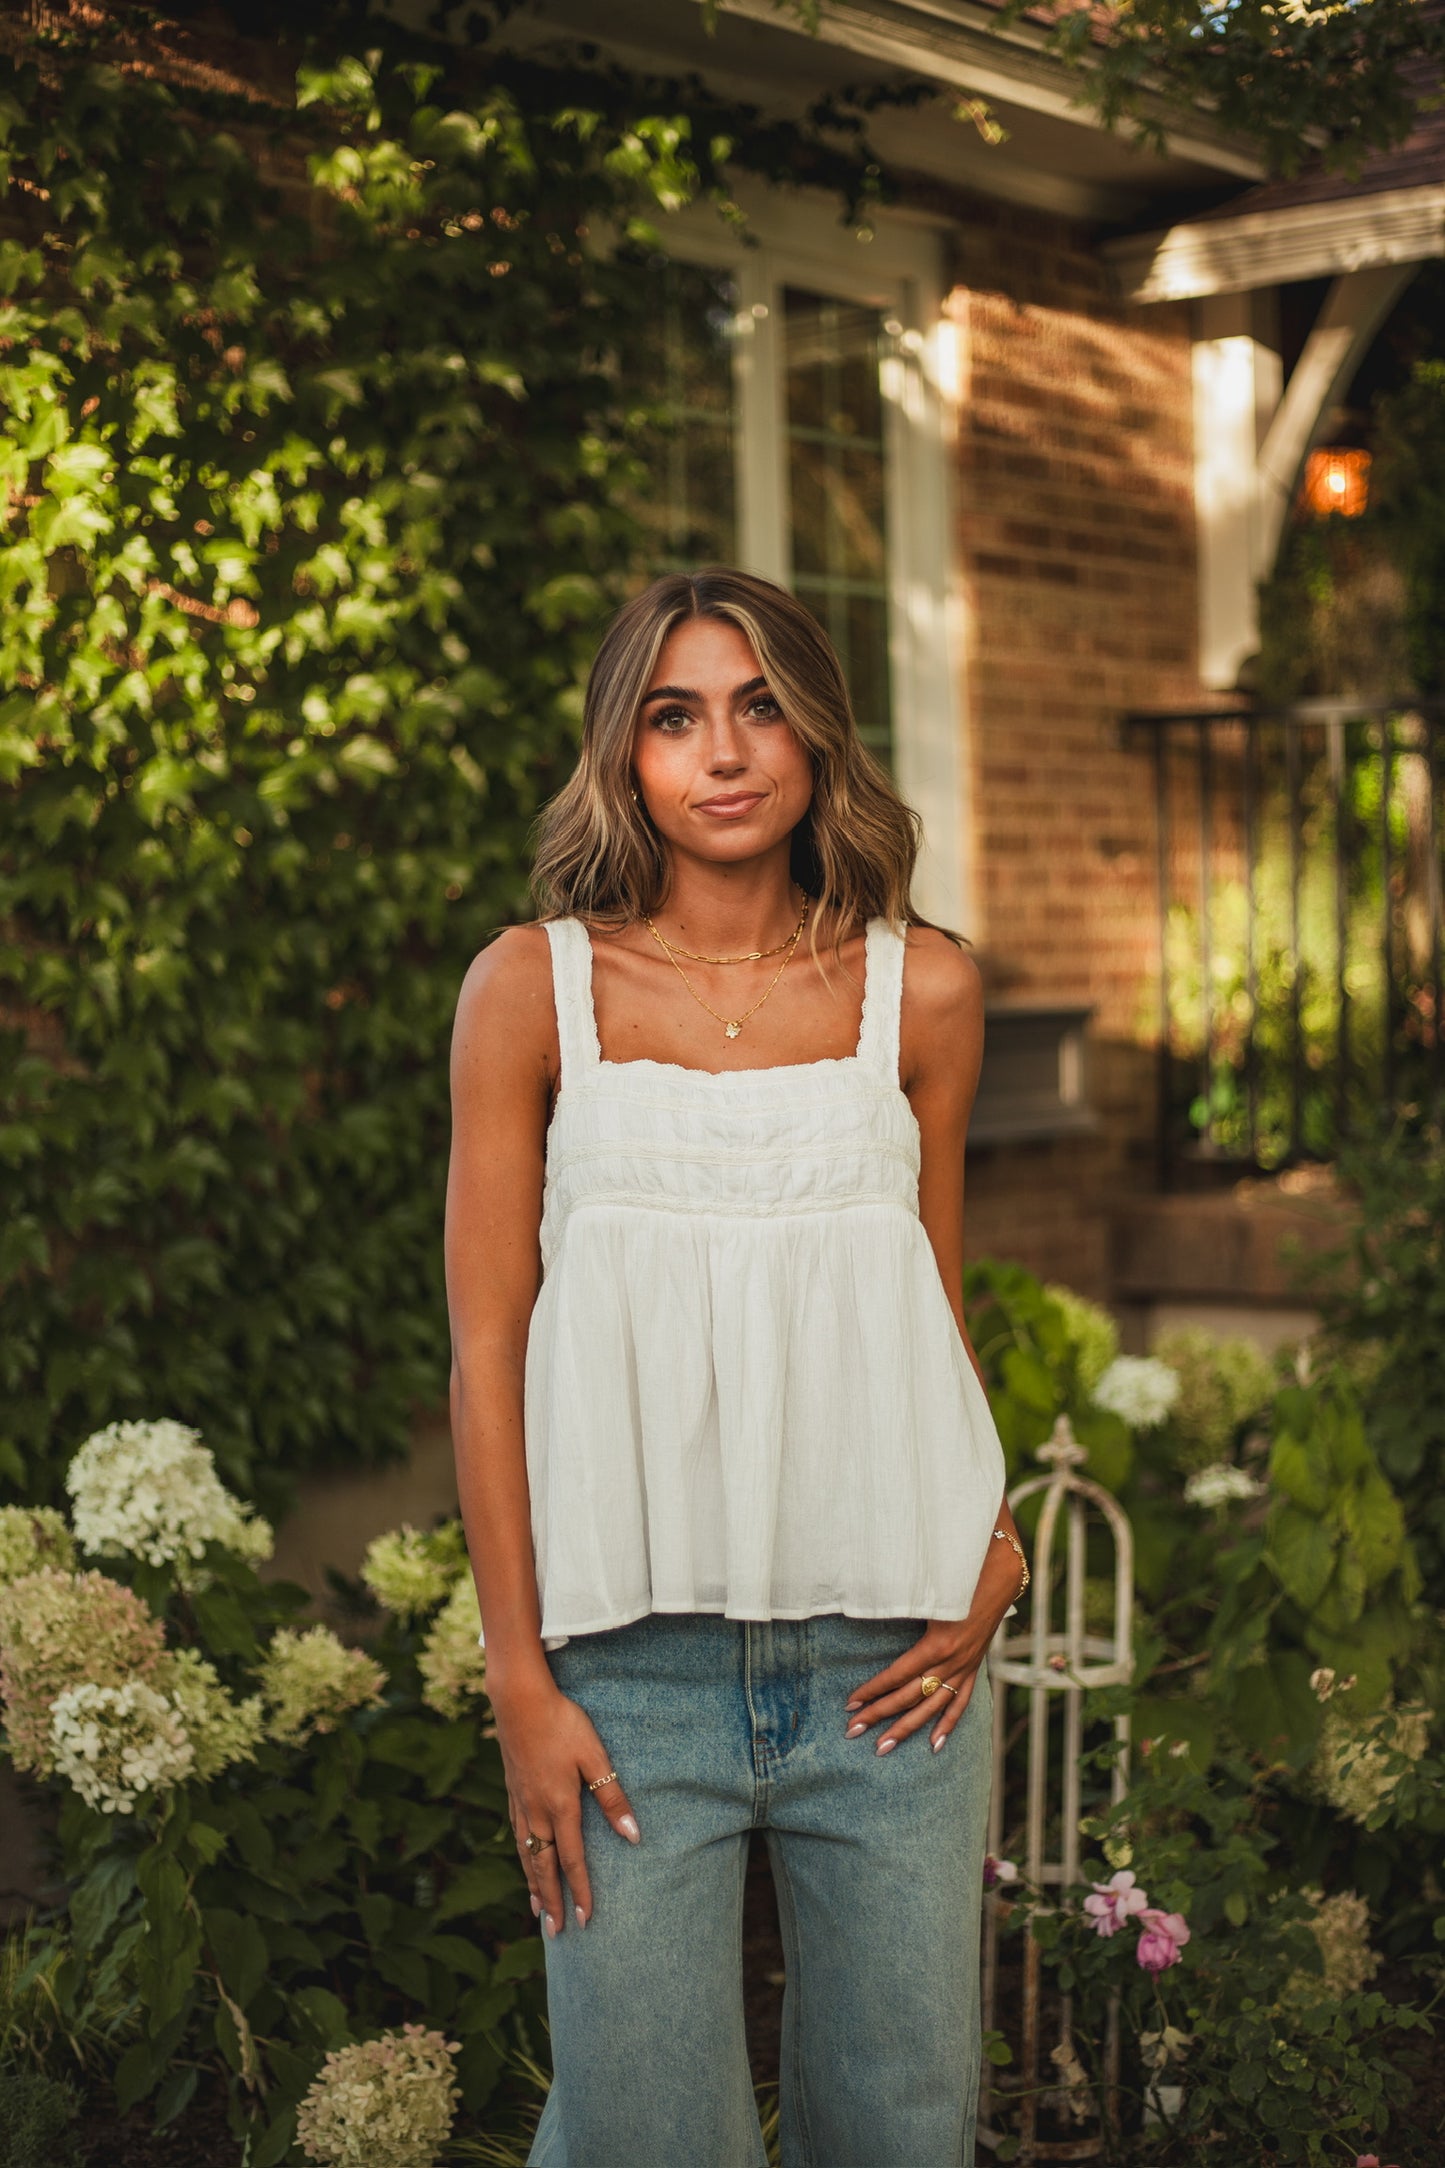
x,y
725,749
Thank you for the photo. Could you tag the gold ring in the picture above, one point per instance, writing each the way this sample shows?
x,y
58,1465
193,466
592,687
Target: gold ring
x,y
932,1683
537,1844
598,1782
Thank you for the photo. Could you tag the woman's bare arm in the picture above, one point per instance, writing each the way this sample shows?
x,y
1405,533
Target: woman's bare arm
x,y
503,1065
504,1071
940,1059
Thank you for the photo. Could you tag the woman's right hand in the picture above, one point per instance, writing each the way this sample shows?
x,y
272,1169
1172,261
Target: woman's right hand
x,y
551,1753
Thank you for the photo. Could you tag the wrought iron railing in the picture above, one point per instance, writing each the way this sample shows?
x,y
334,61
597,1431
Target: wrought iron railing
x,y
1299,870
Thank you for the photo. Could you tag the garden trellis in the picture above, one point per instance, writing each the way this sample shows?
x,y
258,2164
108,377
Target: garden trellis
x,y
1056,1667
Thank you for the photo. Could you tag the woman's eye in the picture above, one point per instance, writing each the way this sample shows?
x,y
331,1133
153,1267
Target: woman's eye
x,y
765,708
670,719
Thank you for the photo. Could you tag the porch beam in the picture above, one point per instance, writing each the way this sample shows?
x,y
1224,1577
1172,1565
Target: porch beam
x,y
1205,256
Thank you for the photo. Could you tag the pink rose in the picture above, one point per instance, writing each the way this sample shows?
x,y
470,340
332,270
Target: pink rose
x,y
1162,1935
998,1870
1114,1901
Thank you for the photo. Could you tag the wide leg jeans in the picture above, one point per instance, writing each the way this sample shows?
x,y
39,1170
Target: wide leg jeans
x,y
718,1728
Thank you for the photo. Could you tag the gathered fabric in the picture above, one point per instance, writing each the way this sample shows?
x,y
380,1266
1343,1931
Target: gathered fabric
x,y
746,1392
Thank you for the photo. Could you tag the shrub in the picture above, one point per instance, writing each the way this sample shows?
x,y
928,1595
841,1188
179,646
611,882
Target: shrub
x,y
37,2121
276,1845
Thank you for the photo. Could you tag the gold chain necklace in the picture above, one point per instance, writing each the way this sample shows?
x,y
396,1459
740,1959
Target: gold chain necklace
x,y
732,1025
753,956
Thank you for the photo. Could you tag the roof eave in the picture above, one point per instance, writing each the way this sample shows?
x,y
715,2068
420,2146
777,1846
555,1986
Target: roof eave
x,y
963,47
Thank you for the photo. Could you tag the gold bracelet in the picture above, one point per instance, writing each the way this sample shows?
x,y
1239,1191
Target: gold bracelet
x,y
1001,1535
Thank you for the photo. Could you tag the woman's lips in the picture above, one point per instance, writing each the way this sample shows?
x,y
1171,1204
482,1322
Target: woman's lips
x,y
733,807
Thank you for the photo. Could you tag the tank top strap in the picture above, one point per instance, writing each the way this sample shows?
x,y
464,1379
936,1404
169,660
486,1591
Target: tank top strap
x,y
884,950
572,993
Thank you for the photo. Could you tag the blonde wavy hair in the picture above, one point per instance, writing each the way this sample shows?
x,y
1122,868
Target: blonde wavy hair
x,y
598,856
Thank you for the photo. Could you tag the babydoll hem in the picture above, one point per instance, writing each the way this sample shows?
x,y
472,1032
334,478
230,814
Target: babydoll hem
x,y
558,1636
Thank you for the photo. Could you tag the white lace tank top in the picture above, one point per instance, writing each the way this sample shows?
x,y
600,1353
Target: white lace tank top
x,y
745,1389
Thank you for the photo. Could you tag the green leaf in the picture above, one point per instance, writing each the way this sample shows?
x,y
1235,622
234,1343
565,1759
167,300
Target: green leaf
x,y
323,2014
271,2149
1302,1553
97,1901
1300,1472
239,1947
485,1882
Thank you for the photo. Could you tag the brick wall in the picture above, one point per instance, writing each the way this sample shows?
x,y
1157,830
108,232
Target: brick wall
x,y
1076,545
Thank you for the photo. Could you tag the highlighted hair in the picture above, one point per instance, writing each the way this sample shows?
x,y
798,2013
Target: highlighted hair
x,y
598,857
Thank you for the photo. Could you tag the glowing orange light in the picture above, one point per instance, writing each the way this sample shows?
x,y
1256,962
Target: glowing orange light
x,y
1337,482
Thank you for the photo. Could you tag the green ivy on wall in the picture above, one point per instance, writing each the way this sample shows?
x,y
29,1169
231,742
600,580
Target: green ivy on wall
x,y
318,441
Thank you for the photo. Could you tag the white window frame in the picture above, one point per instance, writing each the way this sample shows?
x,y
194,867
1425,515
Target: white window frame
x,y
801,243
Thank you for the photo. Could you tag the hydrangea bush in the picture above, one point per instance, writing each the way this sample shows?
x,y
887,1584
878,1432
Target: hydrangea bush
x,y
285,1852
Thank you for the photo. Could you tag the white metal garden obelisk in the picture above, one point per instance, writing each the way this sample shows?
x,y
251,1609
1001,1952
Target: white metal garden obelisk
x,y
1055,1661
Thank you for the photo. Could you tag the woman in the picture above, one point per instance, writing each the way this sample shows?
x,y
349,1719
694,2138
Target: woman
x,y
731,1487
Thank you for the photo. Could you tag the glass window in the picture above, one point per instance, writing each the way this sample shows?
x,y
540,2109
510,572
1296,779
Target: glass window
x,y
835,455
690,508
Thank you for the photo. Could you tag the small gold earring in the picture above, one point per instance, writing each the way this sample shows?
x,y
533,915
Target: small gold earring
x,y
636,796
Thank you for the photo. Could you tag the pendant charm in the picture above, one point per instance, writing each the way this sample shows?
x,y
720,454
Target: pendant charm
x,y
730,1031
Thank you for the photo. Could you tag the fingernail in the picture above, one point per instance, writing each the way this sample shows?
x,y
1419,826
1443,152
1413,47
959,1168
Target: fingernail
x,y
536,1908
550,1924
581,1917
627,1823
939,1744
886,1746
852,1705
853,1730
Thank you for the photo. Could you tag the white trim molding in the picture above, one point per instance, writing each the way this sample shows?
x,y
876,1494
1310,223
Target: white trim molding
x,y
1271,248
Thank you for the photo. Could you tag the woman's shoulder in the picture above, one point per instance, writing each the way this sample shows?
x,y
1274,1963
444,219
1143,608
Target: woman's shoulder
x,y
941,980
509,983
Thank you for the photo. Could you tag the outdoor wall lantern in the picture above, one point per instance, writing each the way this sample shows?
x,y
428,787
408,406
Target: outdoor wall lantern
x,y
1337,481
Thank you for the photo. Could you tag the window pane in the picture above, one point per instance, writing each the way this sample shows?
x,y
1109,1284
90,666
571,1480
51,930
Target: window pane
x,y
836,474
689,506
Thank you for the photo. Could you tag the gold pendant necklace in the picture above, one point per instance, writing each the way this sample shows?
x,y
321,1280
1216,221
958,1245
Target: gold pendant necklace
x,y
732,1025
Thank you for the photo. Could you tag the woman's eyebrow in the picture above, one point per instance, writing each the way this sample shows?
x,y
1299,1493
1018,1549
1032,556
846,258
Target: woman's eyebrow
x,y
688,692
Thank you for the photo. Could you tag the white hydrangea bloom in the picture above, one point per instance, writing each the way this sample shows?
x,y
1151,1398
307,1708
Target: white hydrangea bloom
x,y
1093,1333
32,1537
1139,1388
116,1743
150,1491
412,1570
452,1662
1217,1485
221,1729
386,2103
310,1680
1355,1765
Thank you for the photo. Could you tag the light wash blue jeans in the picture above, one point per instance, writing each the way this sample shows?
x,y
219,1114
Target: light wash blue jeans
x,y
718,1728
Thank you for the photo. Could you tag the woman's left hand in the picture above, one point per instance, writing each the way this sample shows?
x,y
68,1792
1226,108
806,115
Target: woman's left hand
x,y
951,1651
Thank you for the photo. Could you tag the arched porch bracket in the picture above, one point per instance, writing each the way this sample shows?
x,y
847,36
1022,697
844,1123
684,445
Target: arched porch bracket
x,y
1354,309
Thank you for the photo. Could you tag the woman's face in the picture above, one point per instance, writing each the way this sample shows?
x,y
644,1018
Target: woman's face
x,y
721,774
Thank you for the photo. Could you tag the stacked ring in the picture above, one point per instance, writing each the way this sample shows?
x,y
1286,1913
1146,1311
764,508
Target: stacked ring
x,y
598,1782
